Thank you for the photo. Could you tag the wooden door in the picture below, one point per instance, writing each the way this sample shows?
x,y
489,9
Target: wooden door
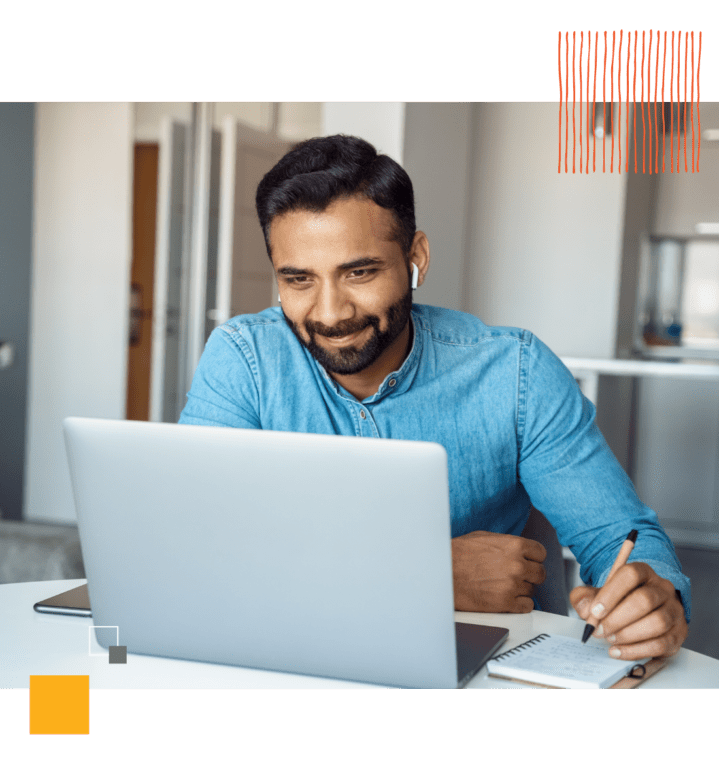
x,y
144,208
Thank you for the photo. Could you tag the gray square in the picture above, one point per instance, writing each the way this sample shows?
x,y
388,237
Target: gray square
x,y
118,654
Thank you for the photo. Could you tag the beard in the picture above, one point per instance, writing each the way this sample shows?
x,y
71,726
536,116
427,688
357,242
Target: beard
x,y
352,359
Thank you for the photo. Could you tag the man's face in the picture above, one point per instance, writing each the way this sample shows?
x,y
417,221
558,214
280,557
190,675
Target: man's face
x,y
343,282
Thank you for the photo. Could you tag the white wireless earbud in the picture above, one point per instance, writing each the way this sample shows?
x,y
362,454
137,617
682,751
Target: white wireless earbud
x,y
279,299
415,276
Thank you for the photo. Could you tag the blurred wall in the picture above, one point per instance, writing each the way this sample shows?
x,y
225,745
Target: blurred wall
x,y
544,247
80,286
437,157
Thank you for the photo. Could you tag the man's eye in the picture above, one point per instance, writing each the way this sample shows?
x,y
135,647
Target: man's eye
x,y
298,280
362,272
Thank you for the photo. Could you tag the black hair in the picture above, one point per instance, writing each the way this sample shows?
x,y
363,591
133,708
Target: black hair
x,y
319,171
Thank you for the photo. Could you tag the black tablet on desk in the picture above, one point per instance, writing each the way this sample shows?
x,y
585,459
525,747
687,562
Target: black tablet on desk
x,y
74,602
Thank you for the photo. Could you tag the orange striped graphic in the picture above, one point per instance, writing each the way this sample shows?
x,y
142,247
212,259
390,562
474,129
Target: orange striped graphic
x,y
648,102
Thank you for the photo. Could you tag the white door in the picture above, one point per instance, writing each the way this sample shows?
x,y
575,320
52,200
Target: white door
x,y
245,279
165,401
202,268
185,264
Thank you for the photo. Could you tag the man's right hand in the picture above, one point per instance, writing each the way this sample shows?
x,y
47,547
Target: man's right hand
x,y
496,572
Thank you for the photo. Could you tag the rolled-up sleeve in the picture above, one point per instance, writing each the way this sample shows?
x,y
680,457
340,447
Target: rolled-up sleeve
x,y
573,477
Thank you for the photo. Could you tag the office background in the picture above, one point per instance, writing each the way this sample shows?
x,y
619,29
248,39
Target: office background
x,y
513,242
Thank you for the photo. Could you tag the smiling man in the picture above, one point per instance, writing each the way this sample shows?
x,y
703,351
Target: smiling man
x,y
349,353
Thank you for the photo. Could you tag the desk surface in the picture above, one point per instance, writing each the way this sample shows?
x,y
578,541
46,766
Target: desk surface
x,y
40,644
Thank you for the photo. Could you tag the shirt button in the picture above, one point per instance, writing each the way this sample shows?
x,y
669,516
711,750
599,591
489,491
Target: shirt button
x,y
363,414
392,382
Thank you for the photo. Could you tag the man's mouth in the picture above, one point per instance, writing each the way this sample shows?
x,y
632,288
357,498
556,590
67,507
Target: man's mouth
x,y
342,340
340,335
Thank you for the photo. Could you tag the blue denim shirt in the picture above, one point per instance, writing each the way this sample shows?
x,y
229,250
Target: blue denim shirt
x,y
509,414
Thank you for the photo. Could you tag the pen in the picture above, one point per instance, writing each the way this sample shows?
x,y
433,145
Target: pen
x,y
622,557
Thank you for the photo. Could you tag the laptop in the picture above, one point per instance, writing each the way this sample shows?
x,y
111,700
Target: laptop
x,y
321,555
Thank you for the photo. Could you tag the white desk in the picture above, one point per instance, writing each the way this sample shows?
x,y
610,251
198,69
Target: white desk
x,y
40,644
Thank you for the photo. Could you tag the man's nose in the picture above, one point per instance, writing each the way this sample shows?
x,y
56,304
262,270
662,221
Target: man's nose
x,y
332,306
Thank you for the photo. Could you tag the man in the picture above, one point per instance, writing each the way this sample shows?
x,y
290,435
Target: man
x,y
348,353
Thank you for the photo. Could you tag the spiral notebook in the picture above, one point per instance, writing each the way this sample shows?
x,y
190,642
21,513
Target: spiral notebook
x,y
556,661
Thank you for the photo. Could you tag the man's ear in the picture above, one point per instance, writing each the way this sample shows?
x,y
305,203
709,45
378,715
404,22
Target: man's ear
x,y
419,258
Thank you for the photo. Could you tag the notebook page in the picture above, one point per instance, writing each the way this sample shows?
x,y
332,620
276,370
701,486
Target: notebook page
x,y
561,661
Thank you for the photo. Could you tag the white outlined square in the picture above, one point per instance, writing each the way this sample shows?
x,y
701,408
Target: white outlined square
x,y
109,626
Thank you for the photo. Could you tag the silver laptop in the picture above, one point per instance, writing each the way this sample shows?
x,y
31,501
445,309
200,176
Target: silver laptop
x,y
312,554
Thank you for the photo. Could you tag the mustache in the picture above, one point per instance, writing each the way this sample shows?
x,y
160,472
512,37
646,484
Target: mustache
x,y
340,330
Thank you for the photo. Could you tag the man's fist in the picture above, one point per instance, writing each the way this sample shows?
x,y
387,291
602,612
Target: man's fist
x,y
496,572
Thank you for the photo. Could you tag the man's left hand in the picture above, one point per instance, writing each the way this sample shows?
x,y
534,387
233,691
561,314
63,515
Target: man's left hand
x,y
639,613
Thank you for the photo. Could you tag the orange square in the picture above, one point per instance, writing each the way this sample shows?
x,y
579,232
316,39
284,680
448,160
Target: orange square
x,y
59,704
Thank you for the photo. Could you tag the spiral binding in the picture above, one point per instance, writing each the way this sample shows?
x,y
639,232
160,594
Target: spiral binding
x,y
520,648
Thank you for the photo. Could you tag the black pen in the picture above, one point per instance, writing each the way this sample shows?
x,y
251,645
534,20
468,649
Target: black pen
x,y
622,557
